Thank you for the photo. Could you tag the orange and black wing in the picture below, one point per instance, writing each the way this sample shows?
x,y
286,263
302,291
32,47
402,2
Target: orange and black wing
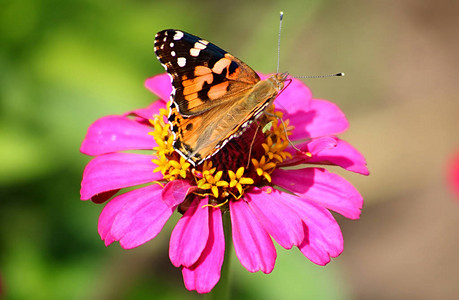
x,y
208,86
203,75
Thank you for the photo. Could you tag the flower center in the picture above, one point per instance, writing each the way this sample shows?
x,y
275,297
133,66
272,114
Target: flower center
x,y
244,161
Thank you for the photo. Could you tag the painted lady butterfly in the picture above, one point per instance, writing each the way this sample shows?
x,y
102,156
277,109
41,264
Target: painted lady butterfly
x,y
215,96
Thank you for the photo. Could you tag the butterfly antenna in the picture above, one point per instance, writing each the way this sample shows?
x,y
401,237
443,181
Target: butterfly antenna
x,y
278,40
321,76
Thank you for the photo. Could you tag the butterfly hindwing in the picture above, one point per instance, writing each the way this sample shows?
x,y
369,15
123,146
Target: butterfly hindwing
x,y
203,75
199,137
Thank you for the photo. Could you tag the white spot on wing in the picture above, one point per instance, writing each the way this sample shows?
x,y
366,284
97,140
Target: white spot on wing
x,y
194,52
199,45
178,35
172,45
173,53
181,61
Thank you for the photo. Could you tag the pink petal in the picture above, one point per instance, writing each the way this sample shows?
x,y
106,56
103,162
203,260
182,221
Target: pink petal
x,y
115,171
135,217
318,145
321,118
175,192
108,239
252,243
279,220
325,188
107,216
205,273
300,154
323,238
295,98
116,133
328,151
343,155
190,235
148,112
160,85
314,146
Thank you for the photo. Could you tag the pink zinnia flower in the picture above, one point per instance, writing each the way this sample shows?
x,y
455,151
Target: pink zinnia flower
x,y
248,179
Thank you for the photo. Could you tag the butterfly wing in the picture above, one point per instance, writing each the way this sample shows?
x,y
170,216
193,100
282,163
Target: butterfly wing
x,y
200,137
203,75
211,89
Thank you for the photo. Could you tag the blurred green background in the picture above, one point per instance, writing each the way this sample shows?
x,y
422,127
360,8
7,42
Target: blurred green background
x,y
63,64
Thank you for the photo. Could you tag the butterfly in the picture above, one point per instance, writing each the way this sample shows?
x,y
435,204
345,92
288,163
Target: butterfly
x,y
215,96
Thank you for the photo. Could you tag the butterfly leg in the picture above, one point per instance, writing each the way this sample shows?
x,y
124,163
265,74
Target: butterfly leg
x,y
286,135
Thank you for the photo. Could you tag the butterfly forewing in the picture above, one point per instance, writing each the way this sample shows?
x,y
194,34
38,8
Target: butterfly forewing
x,y
203,75
214,97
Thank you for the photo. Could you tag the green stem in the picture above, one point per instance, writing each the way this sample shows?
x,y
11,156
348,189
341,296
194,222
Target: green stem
x,y
221,291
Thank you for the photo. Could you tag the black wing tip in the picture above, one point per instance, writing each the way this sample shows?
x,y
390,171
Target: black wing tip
x,y
170,31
